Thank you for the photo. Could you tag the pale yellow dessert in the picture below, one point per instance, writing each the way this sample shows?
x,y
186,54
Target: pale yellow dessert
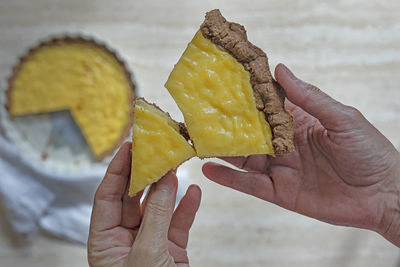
x,y
83,78
157,146
213,91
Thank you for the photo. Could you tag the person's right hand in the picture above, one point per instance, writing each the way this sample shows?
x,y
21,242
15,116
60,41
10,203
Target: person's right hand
x,y
343,170
125,232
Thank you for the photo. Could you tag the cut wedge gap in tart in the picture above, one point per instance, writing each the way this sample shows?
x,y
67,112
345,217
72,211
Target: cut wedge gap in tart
x,y
83,77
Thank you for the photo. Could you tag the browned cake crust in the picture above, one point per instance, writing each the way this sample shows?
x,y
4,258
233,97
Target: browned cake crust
x,y
268,94
182,127
86,41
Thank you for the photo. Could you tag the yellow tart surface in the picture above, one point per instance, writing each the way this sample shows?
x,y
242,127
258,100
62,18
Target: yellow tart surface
x,y
213,91
157,146
86,80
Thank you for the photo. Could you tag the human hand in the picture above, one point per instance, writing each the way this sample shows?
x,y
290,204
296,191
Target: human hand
x,y
343,170
125,233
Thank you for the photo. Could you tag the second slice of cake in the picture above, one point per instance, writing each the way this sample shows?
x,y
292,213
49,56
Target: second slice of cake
x,y
231,104
159,144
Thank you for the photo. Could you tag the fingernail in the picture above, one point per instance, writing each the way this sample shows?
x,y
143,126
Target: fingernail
x,y
288,72
168,182
195,186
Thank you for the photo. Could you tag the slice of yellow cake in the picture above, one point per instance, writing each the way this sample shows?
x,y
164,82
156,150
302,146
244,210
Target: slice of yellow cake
x,y
159,144
83,77
231,104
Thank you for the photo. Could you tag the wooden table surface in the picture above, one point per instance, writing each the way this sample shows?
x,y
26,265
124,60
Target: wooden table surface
x,y
350,49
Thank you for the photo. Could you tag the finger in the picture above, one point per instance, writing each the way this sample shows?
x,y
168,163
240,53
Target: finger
x,y
146,192
183,216
255,184
238,162
295,110
290,106
178,254
131,214
311,99
158,211
143,204
107,205
257,163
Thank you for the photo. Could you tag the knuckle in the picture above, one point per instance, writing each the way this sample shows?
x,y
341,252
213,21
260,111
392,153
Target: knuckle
x,y
104,196
312,93
352,112
97,194
158,207
313,89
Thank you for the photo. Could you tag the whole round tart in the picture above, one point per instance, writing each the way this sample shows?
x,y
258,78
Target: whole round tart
x,y
80,76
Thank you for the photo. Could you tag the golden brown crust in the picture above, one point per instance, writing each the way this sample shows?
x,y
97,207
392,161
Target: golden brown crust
x,y
269,95
86,41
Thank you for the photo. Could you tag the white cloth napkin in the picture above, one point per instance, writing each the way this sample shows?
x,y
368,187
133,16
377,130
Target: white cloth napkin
x,y
35,198
60,203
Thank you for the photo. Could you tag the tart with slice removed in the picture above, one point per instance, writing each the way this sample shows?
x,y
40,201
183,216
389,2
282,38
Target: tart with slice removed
x,y
231,104
83,77
159,144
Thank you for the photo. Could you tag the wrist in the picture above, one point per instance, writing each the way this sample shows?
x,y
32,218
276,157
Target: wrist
x,y
389,227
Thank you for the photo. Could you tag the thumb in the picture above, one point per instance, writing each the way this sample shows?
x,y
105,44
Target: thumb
x,y
311,99
158,211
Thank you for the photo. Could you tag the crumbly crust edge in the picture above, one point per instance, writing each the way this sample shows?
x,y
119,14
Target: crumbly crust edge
x,y
269,95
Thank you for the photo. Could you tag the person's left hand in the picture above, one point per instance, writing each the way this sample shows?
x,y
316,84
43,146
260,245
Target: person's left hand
x,y
125,233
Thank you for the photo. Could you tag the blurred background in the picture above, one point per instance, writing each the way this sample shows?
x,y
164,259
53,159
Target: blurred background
x,y
350,49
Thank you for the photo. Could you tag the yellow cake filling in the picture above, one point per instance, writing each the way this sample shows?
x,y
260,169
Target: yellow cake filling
x,y
82,78
157,146
213,91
